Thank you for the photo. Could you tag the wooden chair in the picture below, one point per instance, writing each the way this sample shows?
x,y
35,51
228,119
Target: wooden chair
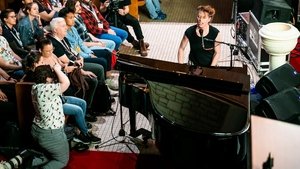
x,y
134,7
25,110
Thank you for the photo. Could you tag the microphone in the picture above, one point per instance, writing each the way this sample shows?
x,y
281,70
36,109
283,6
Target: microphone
x,y
202,39
210,40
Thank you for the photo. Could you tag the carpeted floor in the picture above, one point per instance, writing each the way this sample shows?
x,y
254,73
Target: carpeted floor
x,y
101,160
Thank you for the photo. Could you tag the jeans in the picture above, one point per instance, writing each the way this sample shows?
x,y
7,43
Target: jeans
x,y
93,82
109,45
99,60
55,142
76,107
120,36
153,6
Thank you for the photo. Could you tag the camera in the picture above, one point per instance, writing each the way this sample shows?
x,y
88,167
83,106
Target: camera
x,y
14,162
24,156
113,6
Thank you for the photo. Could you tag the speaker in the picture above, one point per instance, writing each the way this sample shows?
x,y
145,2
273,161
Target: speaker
x,y
267,11
244,5
277,80
284,106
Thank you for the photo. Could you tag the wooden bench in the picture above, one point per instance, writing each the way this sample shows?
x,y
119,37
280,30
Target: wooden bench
x,y
25,110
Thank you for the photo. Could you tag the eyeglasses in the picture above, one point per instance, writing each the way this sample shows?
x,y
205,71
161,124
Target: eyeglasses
x,y
14,16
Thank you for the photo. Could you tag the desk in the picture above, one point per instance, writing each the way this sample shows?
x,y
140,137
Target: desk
x,y
279,138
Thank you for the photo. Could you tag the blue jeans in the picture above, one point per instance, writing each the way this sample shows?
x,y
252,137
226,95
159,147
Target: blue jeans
x,y
153,6
55,142
109,45
76,107
120,36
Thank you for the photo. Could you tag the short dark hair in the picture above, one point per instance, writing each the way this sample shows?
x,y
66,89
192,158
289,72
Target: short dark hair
x,y
64,11
43,42
42,72
4,14
71,4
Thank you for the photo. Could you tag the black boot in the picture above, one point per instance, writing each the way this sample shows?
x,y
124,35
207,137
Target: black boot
x,y
136,44
143,49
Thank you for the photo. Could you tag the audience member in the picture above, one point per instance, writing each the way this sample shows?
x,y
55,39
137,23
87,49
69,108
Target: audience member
x,y
102,57
98,26
30,26
202,52
45,12
9,61
48,123
153,7
8,18
88,39
122,20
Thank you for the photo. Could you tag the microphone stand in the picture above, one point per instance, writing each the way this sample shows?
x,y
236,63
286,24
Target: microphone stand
x,y
231,46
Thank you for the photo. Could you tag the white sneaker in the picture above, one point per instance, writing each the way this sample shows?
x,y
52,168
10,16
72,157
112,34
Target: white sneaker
x,y
113,83
113,93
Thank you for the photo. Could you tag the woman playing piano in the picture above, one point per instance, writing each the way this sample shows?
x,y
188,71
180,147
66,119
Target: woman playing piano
x,y
203,39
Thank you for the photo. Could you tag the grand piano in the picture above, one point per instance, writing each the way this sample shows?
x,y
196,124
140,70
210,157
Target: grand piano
x,y
200,116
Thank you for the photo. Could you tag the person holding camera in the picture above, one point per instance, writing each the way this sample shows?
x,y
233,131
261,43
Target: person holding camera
x,y
117,14
48,123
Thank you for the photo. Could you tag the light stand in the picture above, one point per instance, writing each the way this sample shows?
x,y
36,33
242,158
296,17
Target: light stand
x,y
231,46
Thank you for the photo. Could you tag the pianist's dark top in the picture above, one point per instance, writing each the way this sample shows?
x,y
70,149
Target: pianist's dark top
x,y
198,55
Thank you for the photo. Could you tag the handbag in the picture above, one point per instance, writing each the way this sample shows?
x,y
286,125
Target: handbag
x,y
78,81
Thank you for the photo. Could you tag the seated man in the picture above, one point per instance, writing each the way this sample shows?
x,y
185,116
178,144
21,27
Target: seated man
x,y
124,19
98,56
98,26
88,39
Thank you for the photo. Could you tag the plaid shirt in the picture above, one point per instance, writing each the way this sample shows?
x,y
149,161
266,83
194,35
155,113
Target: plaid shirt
x,y
92,23
81,29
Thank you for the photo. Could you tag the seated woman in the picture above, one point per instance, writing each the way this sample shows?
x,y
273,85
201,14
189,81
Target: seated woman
x,y
8,18
10,61
202,53
46,11
30,27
